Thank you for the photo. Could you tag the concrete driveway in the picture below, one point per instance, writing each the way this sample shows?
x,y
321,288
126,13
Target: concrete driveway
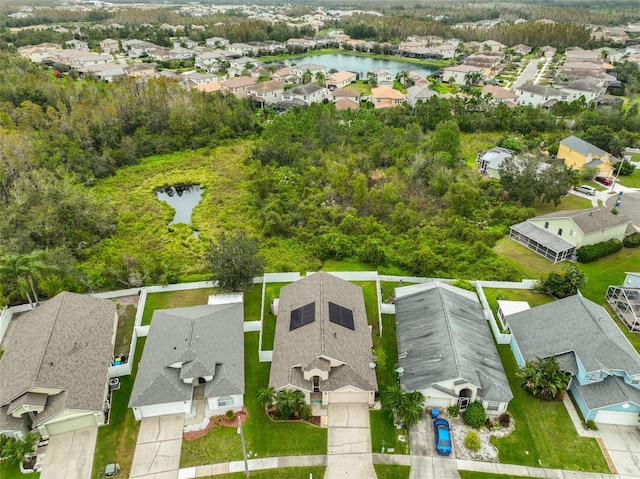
x,y
623,446
349,443
425,462
157,454
70,455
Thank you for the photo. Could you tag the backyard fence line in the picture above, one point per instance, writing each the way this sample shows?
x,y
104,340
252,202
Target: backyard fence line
x,y
5,319
379,298
117,294
524,284
353,275
290,277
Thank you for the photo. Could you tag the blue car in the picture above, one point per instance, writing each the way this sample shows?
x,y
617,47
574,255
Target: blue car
x,y
443,436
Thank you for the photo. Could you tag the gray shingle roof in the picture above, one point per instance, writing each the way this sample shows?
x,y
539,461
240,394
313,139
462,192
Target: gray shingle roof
x,y
445,336
208,339
613,390
576,325
540,90
65,343
306,89
581,146
300,349
589,220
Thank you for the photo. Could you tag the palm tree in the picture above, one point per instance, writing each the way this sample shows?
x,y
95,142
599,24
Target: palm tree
x,y
403,77
391,400
289,402
21,270
472,78
543,378
411,408
17,450
266,397
320,78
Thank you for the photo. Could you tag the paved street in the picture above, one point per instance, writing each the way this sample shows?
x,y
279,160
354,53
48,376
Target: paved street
x,y
528,74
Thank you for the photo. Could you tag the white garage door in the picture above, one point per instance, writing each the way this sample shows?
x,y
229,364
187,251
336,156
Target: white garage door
x,y
348,397
621,418
71,424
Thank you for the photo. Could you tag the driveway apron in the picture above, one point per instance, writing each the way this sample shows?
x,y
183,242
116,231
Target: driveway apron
x,y
157,454
349,443
70,455
623,446
425,462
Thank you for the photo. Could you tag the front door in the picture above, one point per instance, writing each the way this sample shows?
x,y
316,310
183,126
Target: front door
x,y
463,403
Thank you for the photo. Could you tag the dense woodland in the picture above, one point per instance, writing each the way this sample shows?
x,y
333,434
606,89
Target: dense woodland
x,y
384,187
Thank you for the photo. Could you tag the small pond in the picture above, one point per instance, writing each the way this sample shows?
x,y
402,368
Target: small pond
x,y
182,198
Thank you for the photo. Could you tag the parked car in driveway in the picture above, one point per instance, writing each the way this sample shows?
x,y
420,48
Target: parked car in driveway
x,y
604,180
587,190
442,436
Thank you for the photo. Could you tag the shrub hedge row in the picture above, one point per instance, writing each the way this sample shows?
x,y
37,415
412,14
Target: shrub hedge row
x,y
592,252
632,241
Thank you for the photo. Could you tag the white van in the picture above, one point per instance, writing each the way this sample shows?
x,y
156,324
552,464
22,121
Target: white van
x,y
587,190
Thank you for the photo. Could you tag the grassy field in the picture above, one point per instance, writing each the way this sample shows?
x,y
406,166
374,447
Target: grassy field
x,y
472,143
286,473
568,202
142,229
544,435
384,471
174,299
117,441
631,181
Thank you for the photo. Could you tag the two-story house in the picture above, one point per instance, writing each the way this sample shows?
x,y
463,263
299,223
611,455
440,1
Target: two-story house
x,y
266,93
308,93
577,153
539,95
461,74
386,97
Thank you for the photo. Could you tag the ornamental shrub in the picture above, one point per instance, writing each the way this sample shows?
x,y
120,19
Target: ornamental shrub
x,y
472,441
592,252
230,415
475,415
453,411
632,241
504,419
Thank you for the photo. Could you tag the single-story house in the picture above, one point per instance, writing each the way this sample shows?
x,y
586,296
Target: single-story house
x,y
54,371
323,344
625,301
604,366
188,348
557,235
446,350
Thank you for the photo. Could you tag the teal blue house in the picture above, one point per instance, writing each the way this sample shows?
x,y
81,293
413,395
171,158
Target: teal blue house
x,y
604,366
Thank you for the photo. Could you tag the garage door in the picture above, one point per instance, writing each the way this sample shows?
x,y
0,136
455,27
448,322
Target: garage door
x,y
621,418
71,424
348,397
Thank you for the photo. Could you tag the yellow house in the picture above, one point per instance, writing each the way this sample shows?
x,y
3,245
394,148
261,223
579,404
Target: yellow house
x,y
386,97
577,153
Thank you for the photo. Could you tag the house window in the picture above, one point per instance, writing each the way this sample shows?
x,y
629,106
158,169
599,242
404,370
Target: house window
x,y
572,233
493,406
594,377
559,231
225,401
546,225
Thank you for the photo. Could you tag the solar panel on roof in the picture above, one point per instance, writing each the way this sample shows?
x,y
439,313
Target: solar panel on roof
x,y
341,316
303,315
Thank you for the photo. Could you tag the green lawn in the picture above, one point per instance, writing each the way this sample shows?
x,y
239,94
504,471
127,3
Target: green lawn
x,y
531,297
567,202
264,437
472,143
533,265
12,471
544,435
174,299
333,265
269,324
286,473
633,180
117,441
384,471
385,434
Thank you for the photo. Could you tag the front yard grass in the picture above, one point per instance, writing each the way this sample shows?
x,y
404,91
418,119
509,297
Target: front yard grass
x,y
544,435
174,299
567,202
116,441
385,471
486,475
633,180
385,435
12,471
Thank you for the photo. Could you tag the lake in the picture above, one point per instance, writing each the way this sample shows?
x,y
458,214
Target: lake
x,y
361,65
182,198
